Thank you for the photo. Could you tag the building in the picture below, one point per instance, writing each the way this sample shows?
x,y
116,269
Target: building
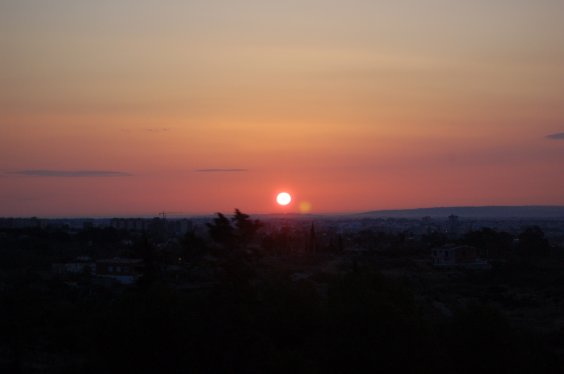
x,y
80,265
120,270
453,255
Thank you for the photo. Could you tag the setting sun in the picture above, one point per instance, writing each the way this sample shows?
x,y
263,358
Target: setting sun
x,y
283,198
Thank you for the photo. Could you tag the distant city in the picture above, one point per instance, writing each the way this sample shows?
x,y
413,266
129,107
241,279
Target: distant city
x,y
452,220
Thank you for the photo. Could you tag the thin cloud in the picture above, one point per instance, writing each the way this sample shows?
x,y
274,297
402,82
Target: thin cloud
x,y
224,170
147,129
556,136
70,173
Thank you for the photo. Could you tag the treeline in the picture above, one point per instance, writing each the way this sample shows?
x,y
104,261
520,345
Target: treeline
x,y
38,247
248,313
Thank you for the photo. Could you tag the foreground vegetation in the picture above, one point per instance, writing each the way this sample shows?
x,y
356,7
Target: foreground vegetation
x,y
249,312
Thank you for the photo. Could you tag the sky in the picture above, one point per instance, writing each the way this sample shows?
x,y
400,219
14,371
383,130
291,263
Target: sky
x,y
133,107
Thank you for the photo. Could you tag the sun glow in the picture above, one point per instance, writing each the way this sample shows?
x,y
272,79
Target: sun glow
x,y
283,198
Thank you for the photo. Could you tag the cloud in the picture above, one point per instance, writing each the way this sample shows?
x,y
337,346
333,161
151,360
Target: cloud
x,y
556,136
228,170
153,130
70,173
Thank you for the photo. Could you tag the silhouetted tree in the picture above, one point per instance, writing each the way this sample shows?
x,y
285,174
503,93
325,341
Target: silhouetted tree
x,y
492,244
246,228
221,231
192,246
532,242
234,237
311,242
151,270
434,239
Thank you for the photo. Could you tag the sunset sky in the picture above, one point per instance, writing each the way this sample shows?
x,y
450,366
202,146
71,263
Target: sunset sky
x,y
132,107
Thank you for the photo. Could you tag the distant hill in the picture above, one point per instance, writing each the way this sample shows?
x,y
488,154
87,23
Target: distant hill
x,y
473,212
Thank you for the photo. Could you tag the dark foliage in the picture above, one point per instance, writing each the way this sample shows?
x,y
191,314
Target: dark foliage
x,y
533,243
233,236
490,243
254,315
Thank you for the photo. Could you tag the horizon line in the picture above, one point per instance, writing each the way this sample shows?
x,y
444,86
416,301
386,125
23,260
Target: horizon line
x,y
273,213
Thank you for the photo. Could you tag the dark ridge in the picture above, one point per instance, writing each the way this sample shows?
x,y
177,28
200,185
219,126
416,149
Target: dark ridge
x,y
474,212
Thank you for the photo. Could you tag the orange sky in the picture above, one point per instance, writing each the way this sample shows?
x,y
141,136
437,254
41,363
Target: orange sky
x,y
350,105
